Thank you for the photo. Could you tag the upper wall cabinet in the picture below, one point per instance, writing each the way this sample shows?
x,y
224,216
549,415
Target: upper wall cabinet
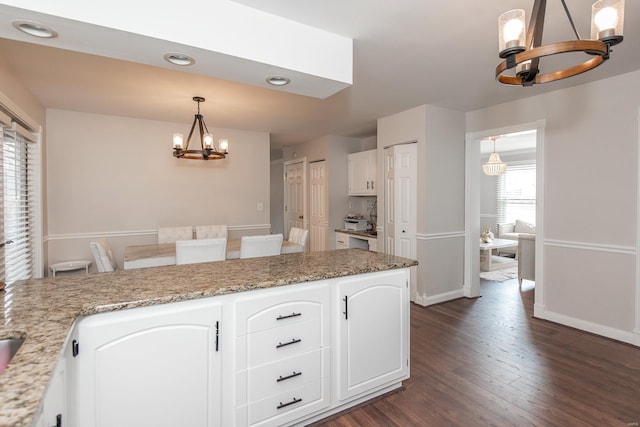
x,y
362,173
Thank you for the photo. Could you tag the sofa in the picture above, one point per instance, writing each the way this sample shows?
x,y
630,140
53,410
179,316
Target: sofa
x,y
526,257
512,231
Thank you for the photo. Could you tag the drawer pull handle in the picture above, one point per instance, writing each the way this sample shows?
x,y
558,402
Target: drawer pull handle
x,y
284,405
294,374
294,314
293,341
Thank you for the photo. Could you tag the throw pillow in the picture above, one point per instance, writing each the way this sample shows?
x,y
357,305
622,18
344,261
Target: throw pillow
x,y
524,227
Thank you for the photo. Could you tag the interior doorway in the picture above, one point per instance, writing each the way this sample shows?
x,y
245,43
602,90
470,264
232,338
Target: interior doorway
x,y
473,192
295,195
507,201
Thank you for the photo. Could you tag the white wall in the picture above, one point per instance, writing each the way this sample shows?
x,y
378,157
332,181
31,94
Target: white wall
x,y
590,250
440,203
116,177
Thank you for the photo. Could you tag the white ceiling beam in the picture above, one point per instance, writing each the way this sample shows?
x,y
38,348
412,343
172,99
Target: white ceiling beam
x,y
228,40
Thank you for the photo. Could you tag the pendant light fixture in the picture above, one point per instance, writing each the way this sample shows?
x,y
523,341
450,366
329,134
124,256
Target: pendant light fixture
x,y
521,48
495,166
207,150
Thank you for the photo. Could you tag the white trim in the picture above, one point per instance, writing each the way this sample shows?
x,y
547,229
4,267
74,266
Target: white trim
x,y
615,249
132,233
435,236
425,300
488,215
594,328
18,115
472,205
636,329
540,209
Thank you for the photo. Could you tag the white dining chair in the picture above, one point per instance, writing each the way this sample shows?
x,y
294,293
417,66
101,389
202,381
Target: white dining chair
x,y
103,256
258,246
211,231
200,250
173,234
299,236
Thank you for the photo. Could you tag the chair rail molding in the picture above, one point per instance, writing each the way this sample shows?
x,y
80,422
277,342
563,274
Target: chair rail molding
x,y
435,236
616,249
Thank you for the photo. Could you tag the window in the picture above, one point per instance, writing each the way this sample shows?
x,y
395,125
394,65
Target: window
x,y
516,194
19,179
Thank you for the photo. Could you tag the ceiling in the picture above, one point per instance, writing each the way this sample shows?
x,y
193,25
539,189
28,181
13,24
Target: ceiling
x,y
405,53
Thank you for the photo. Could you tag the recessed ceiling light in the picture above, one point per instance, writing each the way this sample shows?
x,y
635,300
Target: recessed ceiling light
x,y
179,59
35,29
278,80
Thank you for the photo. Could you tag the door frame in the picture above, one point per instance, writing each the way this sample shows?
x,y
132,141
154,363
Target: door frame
x,y
472,207
305,219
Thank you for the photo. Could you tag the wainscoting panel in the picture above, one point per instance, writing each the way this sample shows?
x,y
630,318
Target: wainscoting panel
x,y
591,285
440,268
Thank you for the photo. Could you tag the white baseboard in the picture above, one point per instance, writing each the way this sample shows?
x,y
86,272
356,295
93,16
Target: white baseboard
x,y
629,337
425,300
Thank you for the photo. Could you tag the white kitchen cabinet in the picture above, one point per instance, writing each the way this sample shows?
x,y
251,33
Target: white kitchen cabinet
x,y
287,355
52,412
342,241
55,410
282,354
371,337
362,173
154,366
346,241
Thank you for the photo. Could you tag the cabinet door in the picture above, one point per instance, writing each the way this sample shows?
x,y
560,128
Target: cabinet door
x,y
342,241
153,366
372,168
359,179
53,405
372,332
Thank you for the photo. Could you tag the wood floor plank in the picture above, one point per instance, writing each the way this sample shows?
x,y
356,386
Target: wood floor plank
x,y
488,362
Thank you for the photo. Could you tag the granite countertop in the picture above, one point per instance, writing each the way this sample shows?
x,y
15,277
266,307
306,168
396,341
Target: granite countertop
x,y
42,311
367,234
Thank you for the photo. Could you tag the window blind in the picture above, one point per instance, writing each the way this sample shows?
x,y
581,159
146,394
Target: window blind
x,y
19,190
516,194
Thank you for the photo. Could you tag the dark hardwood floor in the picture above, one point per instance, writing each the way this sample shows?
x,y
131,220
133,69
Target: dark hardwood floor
x,y
488,362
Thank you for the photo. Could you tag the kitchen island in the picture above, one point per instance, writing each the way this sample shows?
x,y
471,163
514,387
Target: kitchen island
x,y
44,311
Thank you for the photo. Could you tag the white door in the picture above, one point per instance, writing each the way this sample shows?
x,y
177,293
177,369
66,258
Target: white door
x,y
372,341
389,206
295,195
405,199
319,206
153,366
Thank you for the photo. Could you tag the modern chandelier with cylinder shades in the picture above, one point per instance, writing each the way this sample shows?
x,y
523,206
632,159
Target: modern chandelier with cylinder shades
x,y
494,166
207,150
521,48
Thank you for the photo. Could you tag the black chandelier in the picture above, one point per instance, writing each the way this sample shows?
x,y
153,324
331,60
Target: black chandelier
x,y
522,56
207,150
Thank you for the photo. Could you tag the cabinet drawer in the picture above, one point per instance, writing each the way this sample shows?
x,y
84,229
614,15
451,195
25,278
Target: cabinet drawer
x,y
279,343
302,305
288,406
278,377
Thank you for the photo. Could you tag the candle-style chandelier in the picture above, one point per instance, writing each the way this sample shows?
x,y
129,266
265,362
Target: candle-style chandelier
x,y
207,150
522,55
